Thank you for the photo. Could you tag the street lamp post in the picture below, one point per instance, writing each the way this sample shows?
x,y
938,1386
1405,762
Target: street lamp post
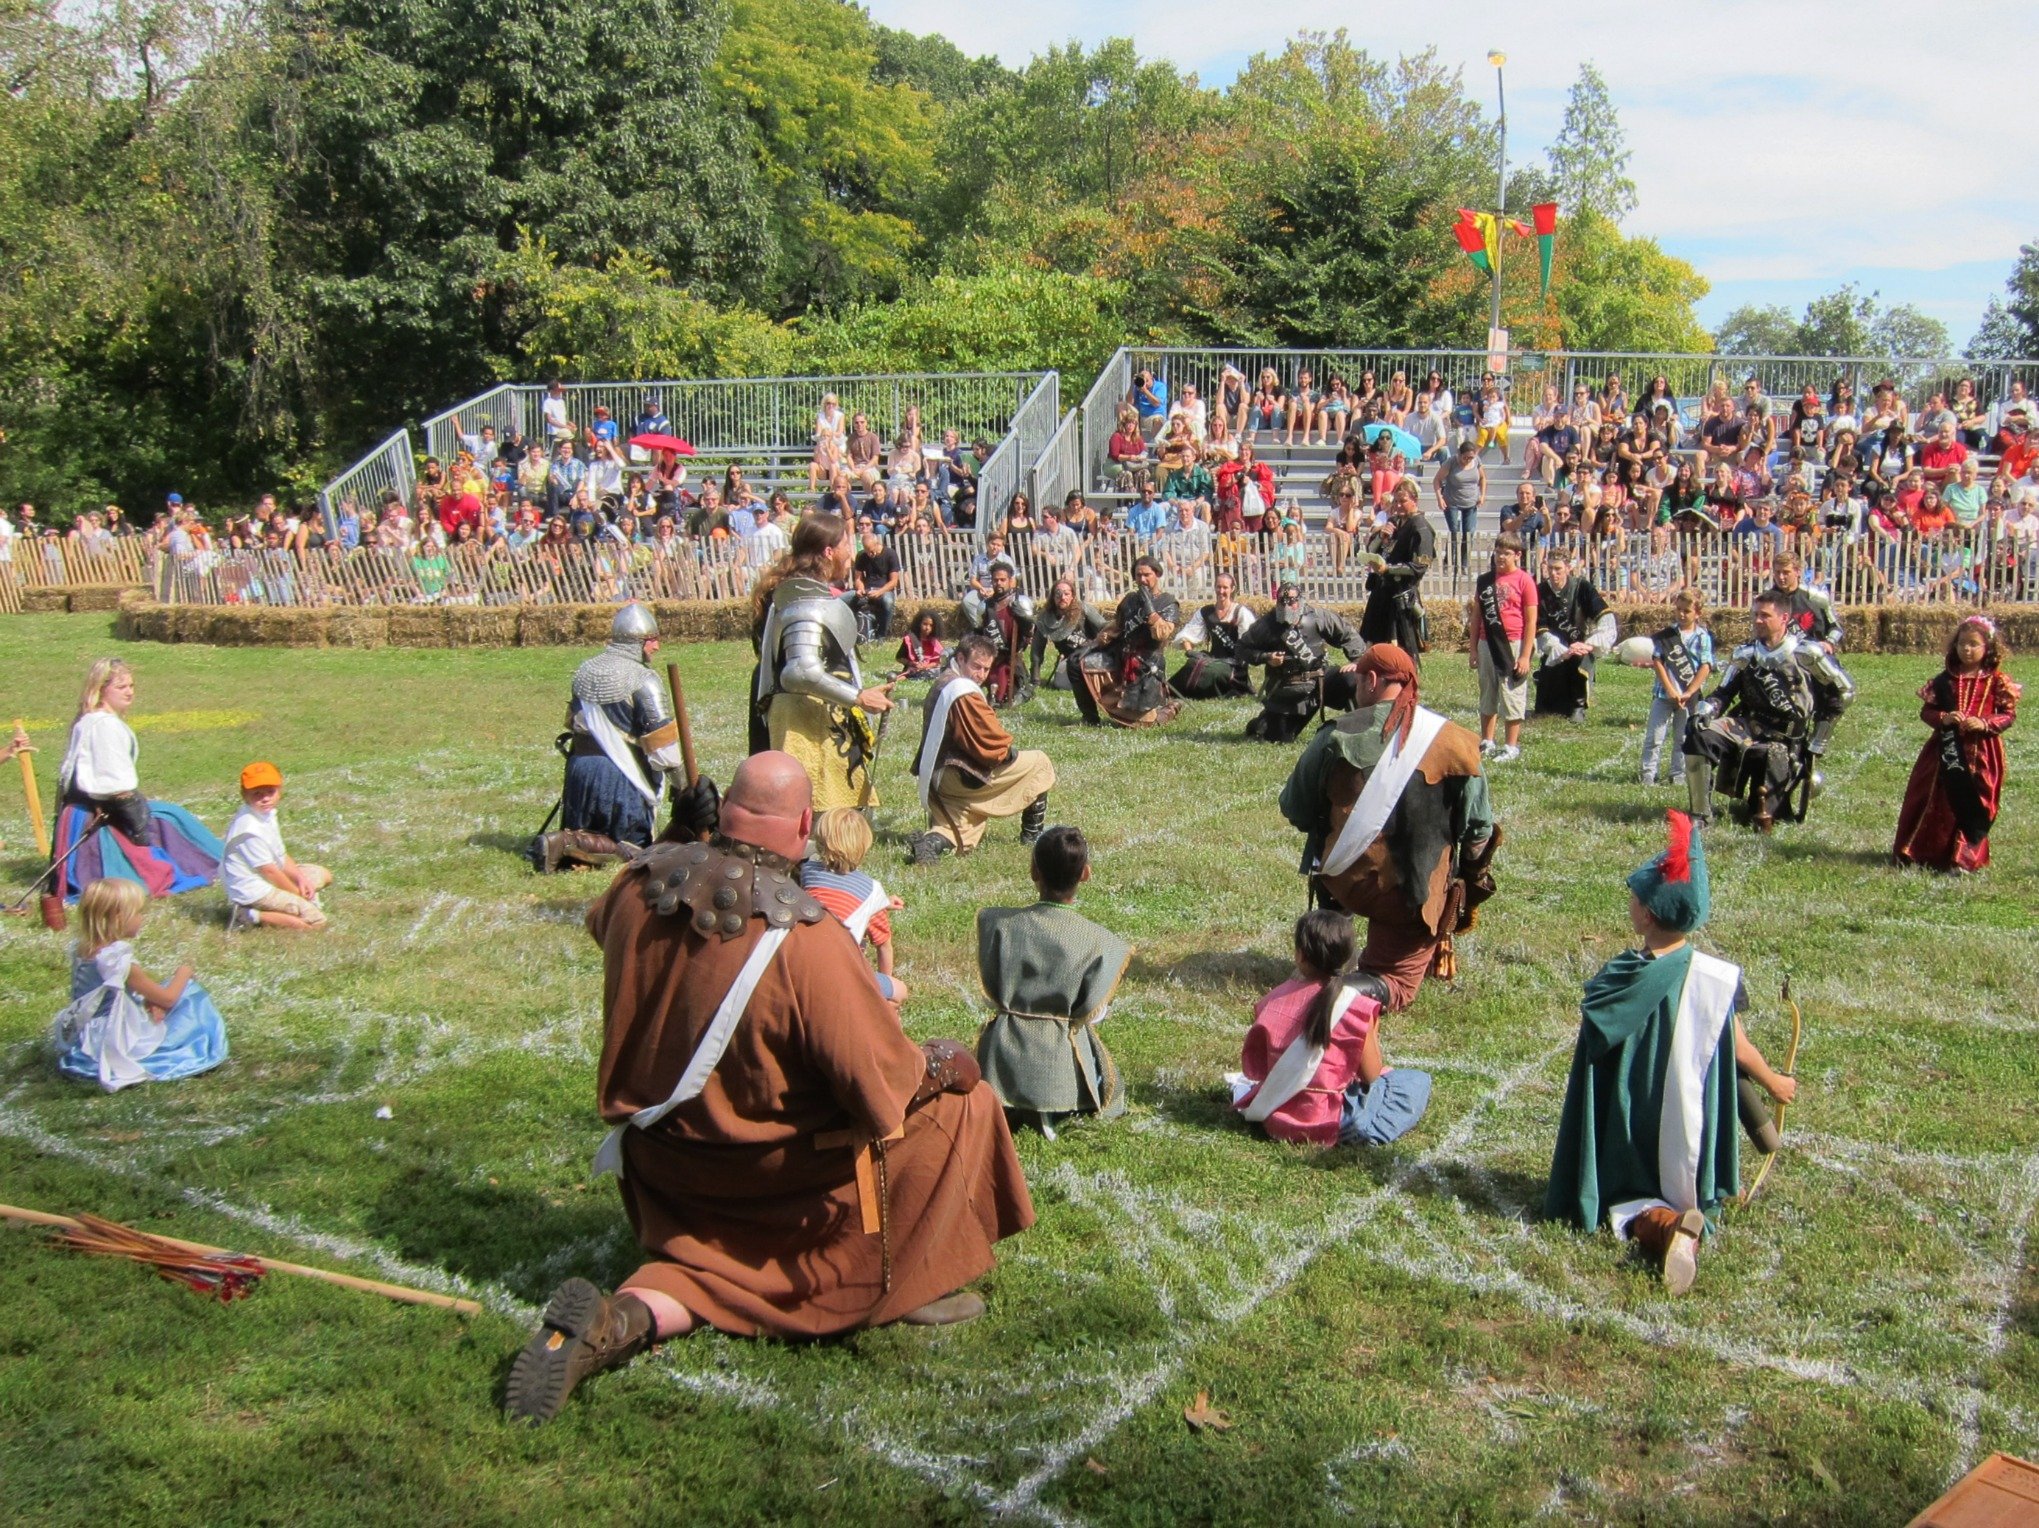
x,y
1498,59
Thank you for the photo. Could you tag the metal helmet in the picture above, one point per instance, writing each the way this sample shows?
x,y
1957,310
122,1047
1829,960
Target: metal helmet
x,y
634,623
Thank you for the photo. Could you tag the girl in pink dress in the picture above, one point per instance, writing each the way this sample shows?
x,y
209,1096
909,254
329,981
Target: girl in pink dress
x,y
1311,1070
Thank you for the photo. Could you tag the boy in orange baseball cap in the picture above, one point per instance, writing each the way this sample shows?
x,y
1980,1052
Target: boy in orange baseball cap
x,y
264,884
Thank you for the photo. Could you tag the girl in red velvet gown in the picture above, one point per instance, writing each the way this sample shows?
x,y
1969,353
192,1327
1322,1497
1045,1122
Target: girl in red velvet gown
x,y
1958,782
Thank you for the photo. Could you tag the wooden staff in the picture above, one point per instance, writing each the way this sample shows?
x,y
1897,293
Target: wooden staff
x,y
42,832
686,726
398,1292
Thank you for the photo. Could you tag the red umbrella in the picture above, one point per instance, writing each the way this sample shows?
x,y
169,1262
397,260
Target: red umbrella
x,y
653,441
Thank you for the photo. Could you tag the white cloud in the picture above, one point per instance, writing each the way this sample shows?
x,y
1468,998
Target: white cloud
x,y
1770,139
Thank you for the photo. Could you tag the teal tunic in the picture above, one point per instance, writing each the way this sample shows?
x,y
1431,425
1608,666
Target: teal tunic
x,y
1614,1103
1050,973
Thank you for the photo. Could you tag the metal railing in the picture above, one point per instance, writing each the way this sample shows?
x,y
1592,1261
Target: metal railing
x,y
390,465
1947,571
1010,467
751,412
1059,468
1690,377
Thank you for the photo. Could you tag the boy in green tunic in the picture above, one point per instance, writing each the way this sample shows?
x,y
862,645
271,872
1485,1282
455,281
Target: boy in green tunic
x,y
1647,1142
1050,974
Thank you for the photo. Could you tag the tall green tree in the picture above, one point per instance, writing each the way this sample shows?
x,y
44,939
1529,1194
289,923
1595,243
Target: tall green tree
x,y
845,156
1589,157
1845,321
1624,294
416,138
2010,324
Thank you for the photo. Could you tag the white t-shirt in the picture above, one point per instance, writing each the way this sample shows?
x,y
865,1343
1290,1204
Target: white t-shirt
x,y
766,543
253,840
555,416
100,760
6,539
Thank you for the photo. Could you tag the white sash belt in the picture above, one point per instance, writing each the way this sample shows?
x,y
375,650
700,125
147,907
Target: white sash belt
x,y
707,1055
1381,793
617,747
937,729
1296,1067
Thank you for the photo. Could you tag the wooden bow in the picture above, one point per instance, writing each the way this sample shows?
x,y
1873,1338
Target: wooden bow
x,y
1790,1069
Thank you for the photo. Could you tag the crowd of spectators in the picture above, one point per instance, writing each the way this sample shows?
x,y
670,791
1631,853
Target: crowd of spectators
x,y
1945,499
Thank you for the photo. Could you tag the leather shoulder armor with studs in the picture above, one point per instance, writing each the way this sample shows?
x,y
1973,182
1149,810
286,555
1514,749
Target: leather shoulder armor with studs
x,y
718,887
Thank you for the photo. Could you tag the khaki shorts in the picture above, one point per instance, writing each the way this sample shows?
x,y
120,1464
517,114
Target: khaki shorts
x,y
1510,702
277,900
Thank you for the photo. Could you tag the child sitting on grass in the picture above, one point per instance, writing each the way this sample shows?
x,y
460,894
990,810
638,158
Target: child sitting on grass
x,y
1312,1070
264,884
842,839
120,1027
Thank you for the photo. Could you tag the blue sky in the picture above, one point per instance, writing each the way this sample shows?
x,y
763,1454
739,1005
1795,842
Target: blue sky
x,y
1781,146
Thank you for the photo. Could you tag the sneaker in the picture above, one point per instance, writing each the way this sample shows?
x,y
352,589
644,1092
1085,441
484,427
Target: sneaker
x,y
1486,747
1507,754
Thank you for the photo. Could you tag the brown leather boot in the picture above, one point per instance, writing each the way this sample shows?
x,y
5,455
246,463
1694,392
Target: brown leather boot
x,y
584,1332
580,847
1671,1241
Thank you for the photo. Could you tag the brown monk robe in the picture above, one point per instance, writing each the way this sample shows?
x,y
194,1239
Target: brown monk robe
x,y
830,1174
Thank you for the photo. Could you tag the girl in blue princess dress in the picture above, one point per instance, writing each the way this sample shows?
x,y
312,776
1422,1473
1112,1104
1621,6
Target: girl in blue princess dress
x,y
121,1027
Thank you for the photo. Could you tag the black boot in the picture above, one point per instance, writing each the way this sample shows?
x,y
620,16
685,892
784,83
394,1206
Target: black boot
x,y
1034,820
926,848
583,1332
1699,787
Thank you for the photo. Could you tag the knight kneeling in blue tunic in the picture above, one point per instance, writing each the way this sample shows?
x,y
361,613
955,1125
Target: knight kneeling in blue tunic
x,y
621,744
1647,1142
120,1027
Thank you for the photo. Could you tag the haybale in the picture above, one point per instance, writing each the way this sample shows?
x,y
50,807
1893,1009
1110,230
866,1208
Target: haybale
x,y
592,623
358,626
417,625
548,626
478,626
45,601
97,597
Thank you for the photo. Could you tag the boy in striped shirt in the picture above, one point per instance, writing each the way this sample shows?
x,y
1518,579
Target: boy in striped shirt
x,y
842,838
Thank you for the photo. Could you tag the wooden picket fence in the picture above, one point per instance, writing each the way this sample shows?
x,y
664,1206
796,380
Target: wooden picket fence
x,y
1728,571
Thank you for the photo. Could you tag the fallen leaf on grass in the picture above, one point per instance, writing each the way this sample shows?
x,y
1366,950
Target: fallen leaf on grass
x,y
1095,1468
1202,1416
1825,1476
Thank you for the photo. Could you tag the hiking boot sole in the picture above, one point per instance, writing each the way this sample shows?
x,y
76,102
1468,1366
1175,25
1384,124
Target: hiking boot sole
x,y
542,1377
1681,1261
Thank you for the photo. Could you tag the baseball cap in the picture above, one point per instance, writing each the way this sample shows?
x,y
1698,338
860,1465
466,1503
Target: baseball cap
x,y
259,774
176,498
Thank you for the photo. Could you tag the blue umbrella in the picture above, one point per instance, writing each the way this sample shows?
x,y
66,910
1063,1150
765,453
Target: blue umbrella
x,y
1400,439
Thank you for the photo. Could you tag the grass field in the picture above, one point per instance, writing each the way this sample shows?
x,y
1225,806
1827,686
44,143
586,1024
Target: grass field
x,y
1393,1336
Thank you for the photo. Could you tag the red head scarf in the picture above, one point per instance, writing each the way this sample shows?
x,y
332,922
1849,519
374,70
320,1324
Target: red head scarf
x,y
1390,662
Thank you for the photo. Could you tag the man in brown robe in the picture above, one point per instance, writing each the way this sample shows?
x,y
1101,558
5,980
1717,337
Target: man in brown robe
x,y
798,1169
1419,859
969,769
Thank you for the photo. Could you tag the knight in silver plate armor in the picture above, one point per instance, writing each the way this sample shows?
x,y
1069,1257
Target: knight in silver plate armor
x,y
621,743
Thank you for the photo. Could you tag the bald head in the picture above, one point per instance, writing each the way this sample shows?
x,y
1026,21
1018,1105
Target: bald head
x,y
770,804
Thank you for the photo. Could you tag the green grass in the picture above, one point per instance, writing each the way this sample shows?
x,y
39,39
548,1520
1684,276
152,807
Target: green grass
x,y
1393,1337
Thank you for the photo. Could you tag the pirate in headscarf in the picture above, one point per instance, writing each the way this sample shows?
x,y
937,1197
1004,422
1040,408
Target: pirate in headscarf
x,y
1399,828
1291,640
1647,1141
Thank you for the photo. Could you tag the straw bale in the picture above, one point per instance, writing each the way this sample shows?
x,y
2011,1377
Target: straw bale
x,y
97,597
45,601
478,626
592,623
417,625
358,626
548,626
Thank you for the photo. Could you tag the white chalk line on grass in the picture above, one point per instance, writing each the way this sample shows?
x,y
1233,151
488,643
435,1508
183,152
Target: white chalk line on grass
x,y
1135,1391
20,1127
1969,1427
